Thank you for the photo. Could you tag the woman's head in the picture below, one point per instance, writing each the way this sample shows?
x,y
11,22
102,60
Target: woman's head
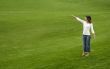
x,y
88,19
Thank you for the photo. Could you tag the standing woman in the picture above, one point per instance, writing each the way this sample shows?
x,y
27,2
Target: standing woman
x,y
87,28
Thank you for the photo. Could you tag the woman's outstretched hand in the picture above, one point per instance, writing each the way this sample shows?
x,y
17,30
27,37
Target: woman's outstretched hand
x,y
73,16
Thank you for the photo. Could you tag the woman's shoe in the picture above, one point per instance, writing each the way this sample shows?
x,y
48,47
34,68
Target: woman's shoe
x,y
83,54
87,54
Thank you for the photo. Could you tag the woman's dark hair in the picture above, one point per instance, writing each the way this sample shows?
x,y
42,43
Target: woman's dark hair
x,y
88,19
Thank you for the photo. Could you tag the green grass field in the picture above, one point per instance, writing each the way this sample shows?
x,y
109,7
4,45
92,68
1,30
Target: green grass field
x,y
41,34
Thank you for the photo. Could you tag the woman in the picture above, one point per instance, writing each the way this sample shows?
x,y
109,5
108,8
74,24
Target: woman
x,y
87,28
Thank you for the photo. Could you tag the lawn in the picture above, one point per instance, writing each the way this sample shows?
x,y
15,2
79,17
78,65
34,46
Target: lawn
x,y
41,34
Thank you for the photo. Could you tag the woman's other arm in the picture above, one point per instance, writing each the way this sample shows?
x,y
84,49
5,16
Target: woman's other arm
x,y
92,30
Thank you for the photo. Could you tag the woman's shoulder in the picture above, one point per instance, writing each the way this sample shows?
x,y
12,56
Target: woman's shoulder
x,y
91,24
84,21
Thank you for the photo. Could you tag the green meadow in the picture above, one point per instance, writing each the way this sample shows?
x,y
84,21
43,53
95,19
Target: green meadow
x,y
42,34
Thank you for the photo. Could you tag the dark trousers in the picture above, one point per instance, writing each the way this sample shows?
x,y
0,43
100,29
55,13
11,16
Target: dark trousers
x,y
86,43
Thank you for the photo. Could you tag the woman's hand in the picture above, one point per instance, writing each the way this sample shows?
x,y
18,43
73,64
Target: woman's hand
x,y
73,16
94,36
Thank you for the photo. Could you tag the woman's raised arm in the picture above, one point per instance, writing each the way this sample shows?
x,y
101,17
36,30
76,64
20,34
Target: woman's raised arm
x,y
80,20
